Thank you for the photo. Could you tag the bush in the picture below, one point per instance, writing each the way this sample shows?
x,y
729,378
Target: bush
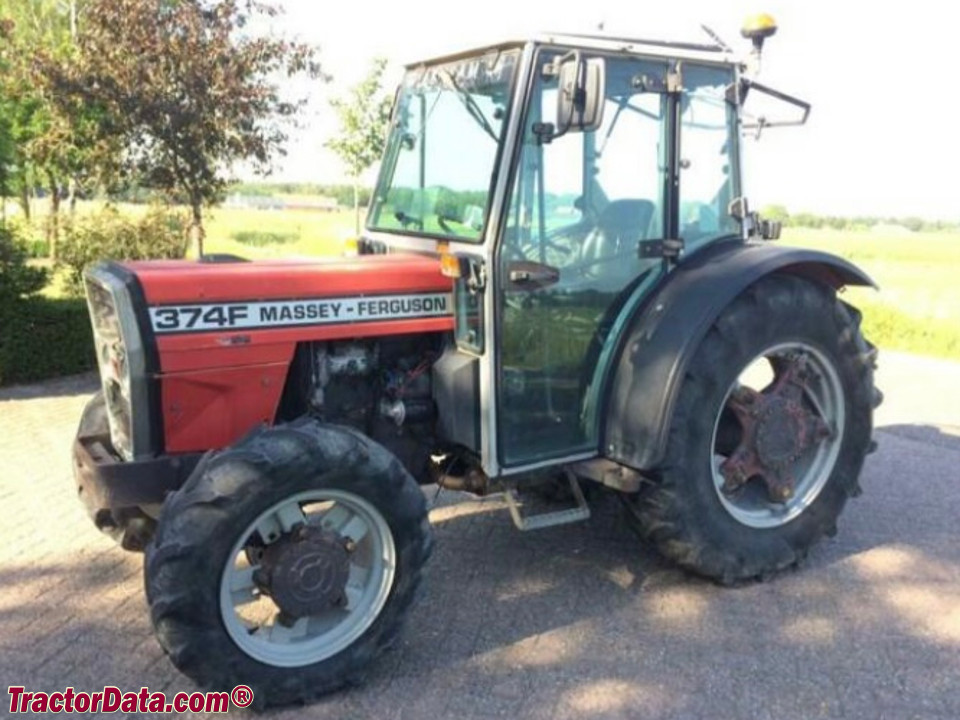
x,y
42,338
39,338
17,278
108,235
30,237
262,238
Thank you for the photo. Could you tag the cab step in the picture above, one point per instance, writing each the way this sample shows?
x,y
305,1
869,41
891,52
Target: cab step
x,y
537,521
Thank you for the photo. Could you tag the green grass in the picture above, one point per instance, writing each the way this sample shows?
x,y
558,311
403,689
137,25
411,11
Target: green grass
x,y
300,232
917,308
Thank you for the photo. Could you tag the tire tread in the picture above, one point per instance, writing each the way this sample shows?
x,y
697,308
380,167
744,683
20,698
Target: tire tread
x,y
663,512
185,610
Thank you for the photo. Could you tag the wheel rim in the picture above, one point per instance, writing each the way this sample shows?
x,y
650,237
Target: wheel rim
x,y
777,435
255,621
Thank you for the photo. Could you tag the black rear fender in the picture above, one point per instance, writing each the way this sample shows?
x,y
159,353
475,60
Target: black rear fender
x,y
666,330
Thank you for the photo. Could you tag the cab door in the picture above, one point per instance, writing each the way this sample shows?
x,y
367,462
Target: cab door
x,y
587,215
580,207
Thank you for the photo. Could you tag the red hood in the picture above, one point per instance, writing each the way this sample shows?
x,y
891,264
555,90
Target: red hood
x,y
226,333
186,281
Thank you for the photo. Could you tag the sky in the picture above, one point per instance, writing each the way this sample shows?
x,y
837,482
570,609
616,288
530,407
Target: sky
x,y
883,137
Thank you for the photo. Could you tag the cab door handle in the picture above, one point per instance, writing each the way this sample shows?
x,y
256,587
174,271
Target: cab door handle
x,y
527,275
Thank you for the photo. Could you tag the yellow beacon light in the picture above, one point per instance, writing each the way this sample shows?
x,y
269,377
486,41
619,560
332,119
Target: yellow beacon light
x,y
758,28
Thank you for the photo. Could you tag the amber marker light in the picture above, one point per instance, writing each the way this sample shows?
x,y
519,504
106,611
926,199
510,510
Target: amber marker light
x,y
450,265
350,246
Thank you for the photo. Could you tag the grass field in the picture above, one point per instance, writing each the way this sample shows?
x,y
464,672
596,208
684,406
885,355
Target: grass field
x,y
917,308
277,233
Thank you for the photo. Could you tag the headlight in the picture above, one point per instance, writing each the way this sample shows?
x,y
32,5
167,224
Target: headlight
x,y
120,359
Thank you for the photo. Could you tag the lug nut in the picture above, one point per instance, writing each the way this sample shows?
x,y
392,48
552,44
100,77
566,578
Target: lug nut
x,y
782,493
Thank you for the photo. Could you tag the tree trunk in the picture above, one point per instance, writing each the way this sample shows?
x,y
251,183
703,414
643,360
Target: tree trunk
x,y
356,206
197,232
25,201
53,222
72,194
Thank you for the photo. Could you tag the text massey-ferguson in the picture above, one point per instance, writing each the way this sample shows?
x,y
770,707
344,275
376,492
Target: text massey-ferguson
x,y
296,312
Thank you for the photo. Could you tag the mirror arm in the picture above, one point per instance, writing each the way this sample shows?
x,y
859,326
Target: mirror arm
x,y
552,68
545,133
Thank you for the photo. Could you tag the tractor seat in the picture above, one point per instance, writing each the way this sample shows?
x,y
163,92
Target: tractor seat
x,y
622,223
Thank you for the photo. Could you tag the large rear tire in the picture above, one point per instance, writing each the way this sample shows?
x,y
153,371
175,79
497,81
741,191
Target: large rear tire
x,y
286,563
768,436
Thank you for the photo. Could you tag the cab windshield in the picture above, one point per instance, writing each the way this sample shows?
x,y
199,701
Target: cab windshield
x,y
438,169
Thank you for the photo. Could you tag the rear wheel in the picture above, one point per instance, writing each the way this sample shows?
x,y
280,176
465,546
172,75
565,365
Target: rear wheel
x,y
286,562
768,436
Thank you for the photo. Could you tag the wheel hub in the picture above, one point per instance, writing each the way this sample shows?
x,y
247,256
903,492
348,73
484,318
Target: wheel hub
x,y
777,430
781,432
306,571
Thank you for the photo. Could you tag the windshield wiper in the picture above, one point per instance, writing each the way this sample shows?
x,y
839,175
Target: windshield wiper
x,y
407,220
472,108
444,220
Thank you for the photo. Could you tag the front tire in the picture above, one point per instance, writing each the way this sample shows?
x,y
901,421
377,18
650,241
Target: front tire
x,y
754,476
287,562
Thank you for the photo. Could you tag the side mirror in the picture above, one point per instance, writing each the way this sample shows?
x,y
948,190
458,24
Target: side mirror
x,y
580,95
581,87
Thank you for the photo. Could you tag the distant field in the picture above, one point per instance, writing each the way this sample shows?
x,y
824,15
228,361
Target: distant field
x,y
917,308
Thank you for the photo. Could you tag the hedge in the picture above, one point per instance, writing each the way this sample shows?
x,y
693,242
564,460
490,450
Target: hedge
x,y
42,338
160,233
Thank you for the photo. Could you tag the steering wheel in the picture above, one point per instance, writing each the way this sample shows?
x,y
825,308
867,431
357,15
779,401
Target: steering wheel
x,y
512,250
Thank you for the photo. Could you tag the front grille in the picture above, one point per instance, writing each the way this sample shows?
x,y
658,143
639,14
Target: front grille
x,y
119,358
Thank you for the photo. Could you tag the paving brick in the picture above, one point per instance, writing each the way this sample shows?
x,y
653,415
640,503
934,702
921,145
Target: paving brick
x,y
576,621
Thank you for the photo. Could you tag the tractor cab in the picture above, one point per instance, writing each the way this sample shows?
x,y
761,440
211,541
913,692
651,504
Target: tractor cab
x,y
561,180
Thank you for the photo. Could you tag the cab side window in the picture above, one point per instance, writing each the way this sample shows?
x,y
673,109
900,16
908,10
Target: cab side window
x,y
708,126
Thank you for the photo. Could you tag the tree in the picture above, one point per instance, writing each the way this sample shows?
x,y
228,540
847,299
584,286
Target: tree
x,y
364,116
47,146
776,212
187,87
7,147
23,116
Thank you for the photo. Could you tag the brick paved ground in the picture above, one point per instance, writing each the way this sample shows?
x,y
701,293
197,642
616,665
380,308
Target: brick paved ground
x,y
574,622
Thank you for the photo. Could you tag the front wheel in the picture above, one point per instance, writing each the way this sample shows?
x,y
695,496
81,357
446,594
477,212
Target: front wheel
x,y
768,436
286,562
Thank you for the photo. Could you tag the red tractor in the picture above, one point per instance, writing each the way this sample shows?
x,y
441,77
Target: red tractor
x,y
560,283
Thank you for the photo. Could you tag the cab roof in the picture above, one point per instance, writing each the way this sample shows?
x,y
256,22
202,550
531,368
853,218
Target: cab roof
x,y
598,42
